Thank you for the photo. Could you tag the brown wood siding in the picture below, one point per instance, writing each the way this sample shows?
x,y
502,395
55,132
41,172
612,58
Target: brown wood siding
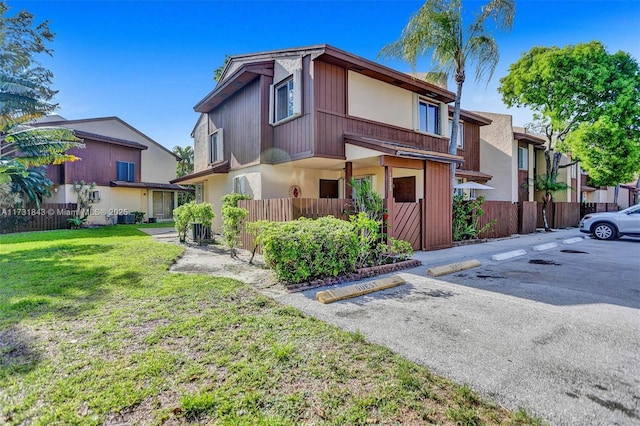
x,y
266,130
523,187
56,173
437,210
99,162
330,107
471,148
388,132
294,139
574,190
330,87
239,117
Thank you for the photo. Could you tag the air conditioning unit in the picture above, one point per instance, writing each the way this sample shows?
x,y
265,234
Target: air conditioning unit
x,y
239,184
94,196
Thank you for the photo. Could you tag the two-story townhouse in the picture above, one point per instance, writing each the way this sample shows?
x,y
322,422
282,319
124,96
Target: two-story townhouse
x,y
131,171
303,122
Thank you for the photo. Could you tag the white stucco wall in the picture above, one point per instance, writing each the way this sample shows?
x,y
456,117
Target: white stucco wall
x,y
375,100
498,157
113,201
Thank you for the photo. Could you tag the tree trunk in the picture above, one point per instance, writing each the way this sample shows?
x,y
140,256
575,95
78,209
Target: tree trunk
x,y
636,197
545,202
616,191
453,142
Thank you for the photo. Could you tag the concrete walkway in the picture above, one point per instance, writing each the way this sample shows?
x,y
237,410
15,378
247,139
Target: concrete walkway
x,y
555,331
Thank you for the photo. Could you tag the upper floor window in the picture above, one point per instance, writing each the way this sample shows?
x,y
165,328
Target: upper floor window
x,y
125,171
285,98
460,142
429,117
216,147
523,158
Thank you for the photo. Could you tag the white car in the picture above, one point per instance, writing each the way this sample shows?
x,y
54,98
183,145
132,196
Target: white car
x,y
612,225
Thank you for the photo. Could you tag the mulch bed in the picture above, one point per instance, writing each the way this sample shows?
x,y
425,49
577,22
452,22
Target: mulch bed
x,y
360,274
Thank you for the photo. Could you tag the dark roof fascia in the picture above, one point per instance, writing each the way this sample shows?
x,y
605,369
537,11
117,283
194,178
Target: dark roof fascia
x,y
380,72
233,83
529,138
108,139
222,167
149,185
472,117
473,175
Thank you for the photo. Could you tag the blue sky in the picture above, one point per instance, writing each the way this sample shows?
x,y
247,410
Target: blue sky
x,y
150,62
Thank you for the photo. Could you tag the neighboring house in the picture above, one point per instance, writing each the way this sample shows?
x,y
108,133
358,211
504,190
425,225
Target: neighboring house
x,y
131,171
511,156
302,122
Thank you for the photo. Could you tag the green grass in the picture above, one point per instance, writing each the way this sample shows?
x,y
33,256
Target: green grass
x,y
93,329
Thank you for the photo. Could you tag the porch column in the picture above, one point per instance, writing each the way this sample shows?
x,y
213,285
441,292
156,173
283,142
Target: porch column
x,y
348,175
388,195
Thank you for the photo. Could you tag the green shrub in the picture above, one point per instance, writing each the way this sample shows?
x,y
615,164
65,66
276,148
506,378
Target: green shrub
x,y
190,213
232,218
305,249
138,217
465,221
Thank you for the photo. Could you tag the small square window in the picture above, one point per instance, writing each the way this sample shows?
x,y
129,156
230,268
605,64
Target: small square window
x,y
125,171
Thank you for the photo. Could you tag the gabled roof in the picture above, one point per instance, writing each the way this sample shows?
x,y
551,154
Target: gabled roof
x,y
57,120
242,69
107,139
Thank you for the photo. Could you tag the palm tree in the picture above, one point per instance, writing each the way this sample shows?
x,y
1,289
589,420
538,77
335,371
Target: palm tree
x,y
185,164
24,148
437,28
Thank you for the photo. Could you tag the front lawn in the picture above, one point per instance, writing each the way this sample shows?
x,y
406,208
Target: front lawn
x,y
94,330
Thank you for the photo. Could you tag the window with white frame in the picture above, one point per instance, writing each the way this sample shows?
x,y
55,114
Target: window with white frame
x,y
460,142
216,147
285,98
523,158
428,117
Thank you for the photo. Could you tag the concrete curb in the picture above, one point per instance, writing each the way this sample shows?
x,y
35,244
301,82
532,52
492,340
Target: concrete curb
x,y
543,247
573,240
437,271
508,255
329,296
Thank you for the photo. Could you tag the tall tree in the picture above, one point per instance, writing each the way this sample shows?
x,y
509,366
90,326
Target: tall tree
x,y
25,95
437,28
585,101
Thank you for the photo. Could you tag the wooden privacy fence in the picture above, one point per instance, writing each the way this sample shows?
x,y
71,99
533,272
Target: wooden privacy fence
x,y
47,217
505,214
286,209
407,223
565,215
510,218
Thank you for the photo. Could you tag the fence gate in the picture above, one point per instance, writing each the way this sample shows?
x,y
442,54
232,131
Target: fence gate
x,y
407,223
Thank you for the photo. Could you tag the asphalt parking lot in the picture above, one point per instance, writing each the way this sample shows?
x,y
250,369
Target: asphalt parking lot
x,y
556,332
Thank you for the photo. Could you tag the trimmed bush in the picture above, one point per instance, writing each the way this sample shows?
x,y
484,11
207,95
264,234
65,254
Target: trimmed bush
x,y
304,249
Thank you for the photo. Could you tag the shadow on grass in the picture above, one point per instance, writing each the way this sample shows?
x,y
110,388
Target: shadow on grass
x,y
52,281
73,234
